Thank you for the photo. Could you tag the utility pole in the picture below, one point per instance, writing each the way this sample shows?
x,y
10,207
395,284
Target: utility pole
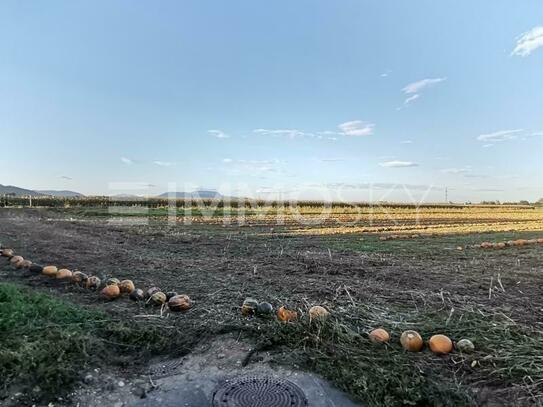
x,y
446,195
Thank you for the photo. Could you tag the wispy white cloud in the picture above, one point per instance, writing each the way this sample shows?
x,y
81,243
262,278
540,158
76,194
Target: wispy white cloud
x,y
398,164
406,142
357,128
464,170
418,86
164,163
332,160
411,99
289,133
127,161
65,177
218,134
501,135
529,42
414,89
386,73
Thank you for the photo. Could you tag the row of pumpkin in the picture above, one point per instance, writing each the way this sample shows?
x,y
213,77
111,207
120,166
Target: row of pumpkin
x,y
510,243
114,288
410,340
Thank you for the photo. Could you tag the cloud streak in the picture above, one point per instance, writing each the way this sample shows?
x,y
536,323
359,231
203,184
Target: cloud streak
x,y
127,161
357,128
419,86
398,164
529,42
164,163
501,135
218,134
414,89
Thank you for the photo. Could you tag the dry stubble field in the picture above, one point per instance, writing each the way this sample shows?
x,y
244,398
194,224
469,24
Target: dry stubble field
x,y
418,280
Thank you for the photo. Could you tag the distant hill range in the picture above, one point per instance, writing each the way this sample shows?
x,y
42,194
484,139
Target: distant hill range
x,y
16,191
203,194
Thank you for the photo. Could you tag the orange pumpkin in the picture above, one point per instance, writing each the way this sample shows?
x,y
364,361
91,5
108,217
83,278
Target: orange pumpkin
x,y
440,344
486,245
411,341
7,252
26,264
179,303
318,313
379,335
540,241
63,274
50,271
111,291
500,245
127,286
286,315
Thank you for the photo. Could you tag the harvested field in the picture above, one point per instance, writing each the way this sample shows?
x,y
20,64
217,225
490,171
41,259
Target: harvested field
x,y
493,297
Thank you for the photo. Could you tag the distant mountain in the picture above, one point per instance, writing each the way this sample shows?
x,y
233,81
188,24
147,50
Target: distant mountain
x,y
204,194
62,194
13,190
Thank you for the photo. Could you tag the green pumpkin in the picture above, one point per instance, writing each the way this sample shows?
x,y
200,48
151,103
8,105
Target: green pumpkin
x,y
264,309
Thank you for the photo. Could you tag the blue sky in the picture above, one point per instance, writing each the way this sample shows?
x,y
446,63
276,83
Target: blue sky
x,y
310,99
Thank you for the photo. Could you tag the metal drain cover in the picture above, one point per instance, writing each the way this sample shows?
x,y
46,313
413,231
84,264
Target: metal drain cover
x,y
259,392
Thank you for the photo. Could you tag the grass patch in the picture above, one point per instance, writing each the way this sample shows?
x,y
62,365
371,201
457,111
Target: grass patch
x,y
507,357
47,344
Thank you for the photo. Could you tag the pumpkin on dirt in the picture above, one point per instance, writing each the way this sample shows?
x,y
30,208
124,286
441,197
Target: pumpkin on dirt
x,y
379,335
465,346
126,286
440,344
93,283
486,245
50,271
540,241
137,295
79,278
158,298
25,264
519,242
501,245
15,260
249,307
111,291
318,313
149,293
64,274
411,341
7,253
113,281
264,309
179,303
286,315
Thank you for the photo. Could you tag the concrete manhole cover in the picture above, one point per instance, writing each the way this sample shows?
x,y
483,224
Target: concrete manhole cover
x,y
259,392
